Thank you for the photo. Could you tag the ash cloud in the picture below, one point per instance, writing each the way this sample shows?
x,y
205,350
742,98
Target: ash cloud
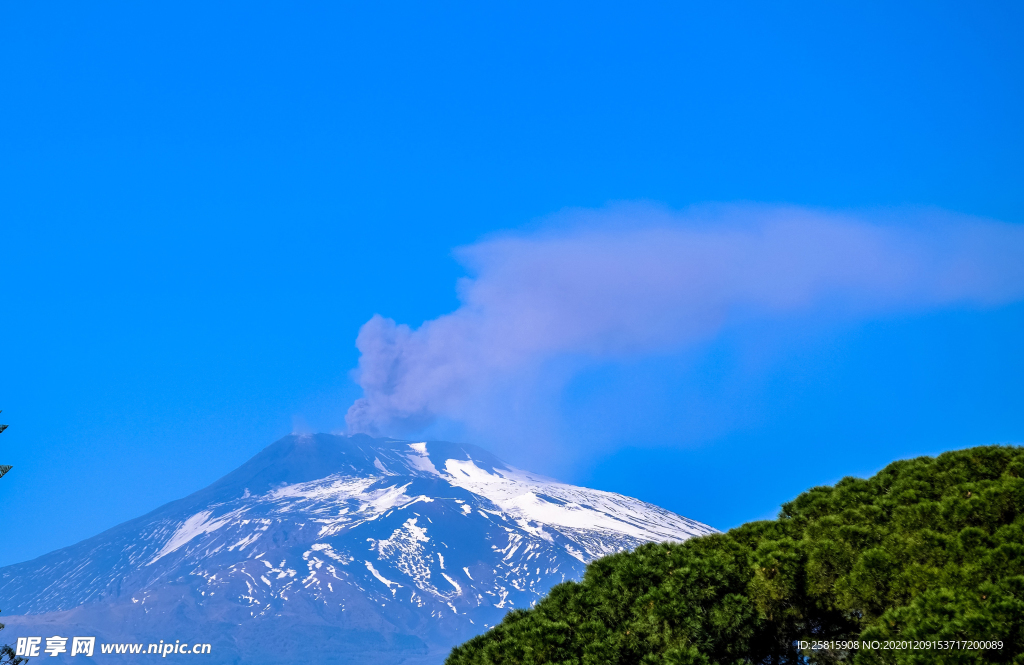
x,y
637,281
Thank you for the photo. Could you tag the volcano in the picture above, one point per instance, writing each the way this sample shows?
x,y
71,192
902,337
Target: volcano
x,y
331,549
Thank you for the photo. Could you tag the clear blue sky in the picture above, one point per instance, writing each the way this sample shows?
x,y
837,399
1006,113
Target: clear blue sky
x,y
200,205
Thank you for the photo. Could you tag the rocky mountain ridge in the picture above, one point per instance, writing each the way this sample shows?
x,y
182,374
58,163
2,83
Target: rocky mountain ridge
x,y
333,549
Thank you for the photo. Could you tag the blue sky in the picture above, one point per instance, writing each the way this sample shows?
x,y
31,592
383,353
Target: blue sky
x,y
201,206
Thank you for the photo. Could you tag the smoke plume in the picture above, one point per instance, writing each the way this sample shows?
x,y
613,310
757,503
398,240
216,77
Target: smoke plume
x,y
636,281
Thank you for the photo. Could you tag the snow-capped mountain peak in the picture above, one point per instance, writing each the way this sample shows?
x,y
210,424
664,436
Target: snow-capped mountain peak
x,y
377,545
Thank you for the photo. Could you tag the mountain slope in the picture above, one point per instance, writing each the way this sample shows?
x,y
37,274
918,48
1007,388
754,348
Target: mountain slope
x,y
333,549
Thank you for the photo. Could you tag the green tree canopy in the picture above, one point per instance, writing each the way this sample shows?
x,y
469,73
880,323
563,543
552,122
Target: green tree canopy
x,y
8,655
4,468
927,549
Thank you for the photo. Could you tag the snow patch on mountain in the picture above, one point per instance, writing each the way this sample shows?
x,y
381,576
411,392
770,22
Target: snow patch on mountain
x,y
195,525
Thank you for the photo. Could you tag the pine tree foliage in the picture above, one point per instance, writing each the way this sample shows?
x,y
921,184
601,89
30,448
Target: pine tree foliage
x,y
4,468
8,656
927,549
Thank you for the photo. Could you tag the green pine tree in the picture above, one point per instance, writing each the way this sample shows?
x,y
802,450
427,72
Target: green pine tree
x,y
929,549
4,468
7,656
